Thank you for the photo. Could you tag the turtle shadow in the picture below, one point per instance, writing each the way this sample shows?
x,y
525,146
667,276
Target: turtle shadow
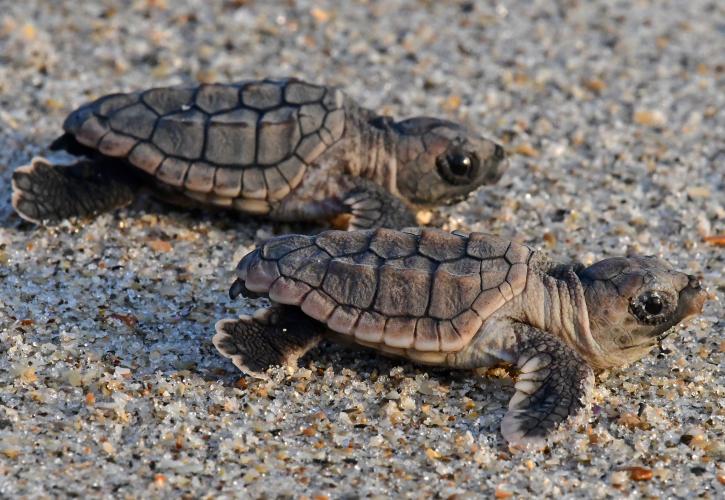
x,y
146,204
8,218
219,218
11,221
440,386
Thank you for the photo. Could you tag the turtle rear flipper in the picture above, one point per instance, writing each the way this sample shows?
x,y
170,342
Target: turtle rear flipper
x,y
44,193
276,336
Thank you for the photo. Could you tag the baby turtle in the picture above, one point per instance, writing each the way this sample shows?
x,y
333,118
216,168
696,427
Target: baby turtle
x,y
285,149
460,301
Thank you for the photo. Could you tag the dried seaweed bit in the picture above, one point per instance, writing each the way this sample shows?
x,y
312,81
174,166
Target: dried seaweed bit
x,y
717,240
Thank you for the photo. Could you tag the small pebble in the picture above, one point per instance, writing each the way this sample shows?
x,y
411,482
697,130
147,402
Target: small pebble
x,y
650,118
160,245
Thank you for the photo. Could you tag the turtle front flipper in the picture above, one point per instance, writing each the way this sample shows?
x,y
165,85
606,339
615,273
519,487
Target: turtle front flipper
x,y
554,384
347,203
44,193
370,206
276,336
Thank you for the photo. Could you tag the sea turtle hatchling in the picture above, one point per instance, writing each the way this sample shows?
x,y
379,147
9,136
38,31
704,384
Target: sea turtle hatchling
x,y
460,301
285,149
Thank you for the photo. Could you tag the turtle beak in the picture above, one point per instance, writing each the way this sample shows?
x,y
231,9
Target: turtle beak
x,y
691,301
693,297
498,165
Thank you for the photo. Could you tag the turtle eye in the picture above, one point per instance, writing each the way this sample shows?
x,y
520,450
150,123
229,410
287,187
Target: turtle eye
x,y
460,163
653,305
457,167
650,308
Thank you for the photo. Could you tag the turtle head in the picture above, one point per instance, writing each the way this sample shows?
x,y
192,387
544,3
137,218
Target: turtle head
x,y
634,301
441,162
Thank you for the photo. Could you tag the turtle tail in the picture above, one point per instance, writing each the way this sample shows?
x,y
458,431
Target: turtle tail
x,y
44,193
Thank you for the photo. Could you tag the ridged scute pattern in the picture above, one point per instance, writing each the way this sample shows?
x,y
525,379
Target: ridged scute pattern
x,y
219,143
426,290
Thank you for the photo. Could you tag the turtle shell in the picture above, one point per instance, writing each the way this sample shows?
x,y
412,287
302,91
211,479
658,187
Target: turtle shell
x,y
425,290
242,144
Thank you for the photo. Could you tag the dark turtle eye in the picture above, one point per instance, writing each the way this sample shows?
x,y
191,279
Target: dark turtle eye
x,y
650,308
457,167
653,305
460,163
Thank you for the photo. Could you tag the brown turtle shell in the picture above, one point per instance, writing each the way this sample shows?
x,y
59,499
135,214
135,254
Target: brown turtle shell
x,y
420,289
244,144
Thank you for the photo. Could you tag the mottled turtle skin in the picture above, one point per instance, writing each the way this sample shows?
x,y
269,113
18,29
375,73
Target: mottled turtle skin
x,y
285,149
461,301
